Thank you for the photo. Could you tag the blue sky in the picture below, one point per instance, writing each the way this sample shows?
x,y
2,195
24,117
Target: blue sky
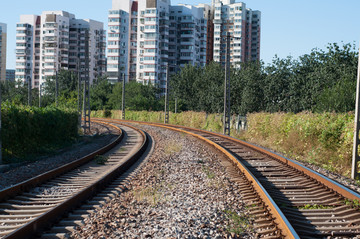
x,y
289,27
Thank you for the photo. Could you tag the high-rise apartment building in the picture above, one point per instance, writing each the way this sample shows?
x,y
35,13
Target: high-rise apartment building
x,y
147,36
56,40
187,36
122,40
244,27
3,36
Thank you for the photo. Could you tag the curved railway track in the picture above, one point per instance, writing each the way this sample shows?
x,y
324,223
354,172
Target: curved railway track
x,y
288,199
31,206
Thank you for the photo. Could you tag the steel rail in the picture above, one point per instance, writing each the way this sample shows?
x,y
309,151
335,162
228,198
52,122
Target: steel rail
x,y
331,184
318,222
35,181
282,222
46,219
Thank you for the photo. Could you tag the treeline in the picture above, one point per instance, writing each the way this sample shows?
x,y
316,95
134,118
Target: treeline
x,y
324,80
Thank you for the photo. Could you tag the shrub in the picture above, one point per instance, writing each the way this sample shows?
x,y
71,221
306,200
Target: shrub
x,y
30,130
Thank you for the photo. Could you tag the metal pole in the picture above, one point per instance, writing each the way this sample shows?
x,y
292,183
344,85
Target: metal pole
x,y
29,91
1,160
56,89
119,78
227,88
123,99
355,156
166,116
78,93
39,95
87,112
175,105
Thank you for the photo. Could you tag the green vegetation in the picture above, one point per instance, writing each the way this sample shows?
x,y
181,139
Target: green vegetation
x,y
32,130
353,203
101,159
321,139
324,80
315,206
209,174
238,223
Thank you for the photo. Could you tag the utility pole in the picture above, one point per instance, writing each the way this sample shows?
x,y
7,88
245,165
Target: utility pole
x,y
86,104
56,89
123,99
40,95
355,156
227,87
175,104
166,116
29,91
1,160
78,92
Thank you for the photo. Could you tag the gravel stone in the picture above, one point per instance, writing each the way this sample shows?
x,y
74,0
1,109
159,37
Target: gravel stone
x,y
181,192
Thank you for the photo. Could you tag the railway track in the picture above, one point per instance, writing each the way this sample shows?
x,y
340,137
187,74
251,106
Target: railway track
x,y
288,199
29,207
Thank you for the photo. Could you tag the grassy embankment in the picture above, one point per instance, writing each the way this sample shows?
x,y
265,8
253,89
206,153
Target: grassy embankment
x,y
321,139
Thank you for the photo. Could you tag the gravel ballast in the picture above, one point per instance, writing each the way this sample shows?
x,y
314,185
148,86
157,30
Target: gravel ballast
x,y
183,191
22,172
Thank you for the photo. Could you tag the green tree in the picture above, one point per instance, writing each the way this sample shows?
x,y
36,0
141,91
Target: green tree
x,y
137,97
100,93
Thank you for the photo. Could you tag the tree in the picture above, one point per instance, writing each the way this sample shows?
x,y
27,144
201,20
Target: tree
x,y
137,97
100,94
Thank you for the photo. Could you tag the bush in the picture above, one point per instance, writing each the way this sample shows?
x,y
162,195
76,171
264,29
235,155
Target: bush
x,y
30,130
107,114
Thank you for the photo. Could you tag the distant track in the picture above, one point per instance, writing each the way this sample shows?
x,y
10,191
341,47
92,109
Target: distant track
x,y
289,200
29,207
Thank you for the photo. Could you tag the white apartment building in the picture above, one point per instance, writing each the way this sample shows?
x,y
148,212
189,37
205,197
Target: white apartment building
x,y
3,36
187,36
147,36
122,35
28,49
153,42
55,40
244,27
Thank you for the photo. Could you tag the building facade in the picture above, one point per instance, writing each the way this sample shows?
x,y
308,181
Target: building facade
x,y
56,40
187,37
3,38
10,75
148,36
244,27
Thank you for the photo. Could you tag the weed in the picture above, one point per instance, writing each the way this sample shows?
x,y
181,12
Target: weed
x,y
151,195
101,159
172,148
238,223
354,203
315,206
209,174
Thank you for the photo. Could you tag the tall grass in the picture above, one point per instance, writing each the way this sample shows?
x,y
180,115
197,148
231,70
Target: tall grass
x,y
322,139
199,120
